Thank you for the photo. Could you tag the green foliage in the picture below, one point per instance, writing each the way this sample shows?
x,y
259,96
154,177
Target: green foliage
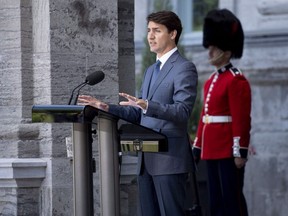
x,y
148,57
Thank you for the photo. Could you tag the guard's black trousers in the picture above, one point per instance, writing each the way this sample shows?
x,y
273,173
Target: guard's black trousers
x,y
226,183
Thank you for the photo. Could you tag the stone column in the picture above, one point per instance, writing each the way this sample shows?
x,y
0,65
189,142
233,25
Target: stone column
x,y
48,48
21,172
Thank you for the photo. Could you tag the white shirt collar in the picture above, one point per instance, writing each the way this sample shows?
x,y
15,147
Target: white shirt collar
x,y
166,56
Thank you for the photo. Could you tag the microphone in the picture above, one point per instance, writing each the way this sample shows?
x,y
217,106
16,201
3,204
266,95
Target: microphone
x,y
94,78
91,79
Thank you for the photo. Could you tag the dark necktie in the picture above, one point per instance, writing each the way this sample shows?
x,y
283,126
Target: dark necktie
x,y
155,73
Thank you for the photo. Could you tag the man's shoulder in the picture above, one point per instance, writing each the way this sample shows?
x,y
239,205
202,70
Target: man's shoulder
x,y
179,58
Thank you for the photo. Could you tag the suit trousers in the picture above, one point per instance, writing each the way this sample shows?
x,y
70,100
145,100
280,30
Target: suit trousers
x,y
226,183
162,195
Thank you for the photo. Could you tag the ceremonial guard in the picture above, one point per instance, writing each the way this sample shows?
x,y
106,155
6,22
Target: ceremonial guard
x,y
223,134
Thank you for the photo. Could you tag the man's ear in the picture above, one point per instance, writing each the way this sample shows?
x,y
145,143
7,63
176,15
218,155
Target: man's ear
x,y
173,34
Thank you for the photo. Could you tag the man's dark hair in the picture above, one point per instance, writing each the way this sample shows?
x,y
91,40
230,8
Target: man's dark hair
x,y
168,19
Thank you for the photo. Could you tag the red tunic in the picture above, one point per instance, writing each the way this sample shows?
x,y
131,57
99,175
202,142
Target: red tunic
x,y
228,95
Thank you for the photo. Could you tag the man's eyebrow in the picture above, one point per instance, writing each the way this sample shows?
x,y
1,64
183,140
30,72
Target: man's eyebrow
x,y
154,28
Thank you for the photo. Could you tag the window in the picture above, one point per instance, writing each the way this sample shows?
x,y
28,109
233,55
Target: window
x,y
192,13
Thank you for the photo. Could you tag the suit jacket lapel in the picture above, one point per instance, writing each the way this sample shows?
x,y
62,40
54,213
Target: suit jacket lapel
x,y
163,73
146,82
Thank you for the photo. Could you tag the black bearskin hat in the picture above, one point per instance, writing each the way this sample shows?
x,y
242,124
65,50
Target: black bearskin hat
x,y
223,30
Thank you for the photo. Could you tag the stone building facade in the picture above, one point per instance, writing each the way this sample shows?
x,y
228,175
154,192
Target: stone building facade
x,y
48,47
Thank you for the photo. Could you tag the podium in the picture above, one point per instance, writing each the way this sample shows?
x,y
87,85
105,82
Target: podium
x,y
111,140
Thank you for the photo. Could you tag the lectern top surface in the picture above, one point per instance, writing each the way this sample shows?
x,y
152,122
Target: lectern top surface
x,y
62,113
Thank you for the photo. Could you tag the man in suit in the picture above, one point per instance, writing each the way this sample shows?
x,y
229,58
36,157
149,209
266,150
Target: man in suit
x,y
164,106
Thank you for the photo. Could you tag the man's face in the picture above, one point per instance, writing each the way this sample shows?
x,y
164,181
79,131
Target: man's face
x,y
160,41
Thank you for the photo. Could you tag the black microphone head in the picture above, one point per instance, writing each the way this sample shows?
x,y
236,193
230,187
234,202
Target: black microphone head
x,y
94,78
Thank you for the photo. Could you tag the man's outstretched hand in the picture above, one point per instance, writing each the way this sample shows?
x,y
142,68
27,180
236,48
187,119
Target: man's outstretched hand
x,y
133,101
91,101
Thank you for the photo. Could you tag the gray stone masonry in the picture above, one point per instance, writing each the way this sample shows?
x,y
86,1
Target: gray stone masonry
x,y
47,48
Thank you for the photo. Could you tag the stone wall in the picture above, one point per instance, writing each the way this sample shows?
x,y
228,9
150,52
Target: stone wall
x,y
48,48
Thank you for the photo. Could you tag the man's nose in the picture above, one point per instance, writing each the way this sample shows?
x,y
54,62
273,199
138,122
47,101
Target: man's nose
x,y
151,35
